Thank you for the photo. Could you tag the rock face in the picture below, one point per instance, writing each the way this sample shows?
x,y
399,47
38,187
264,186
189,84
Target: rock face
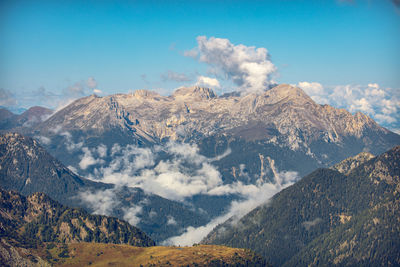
x,y
347,165
327,218
39,218
198,112
283,123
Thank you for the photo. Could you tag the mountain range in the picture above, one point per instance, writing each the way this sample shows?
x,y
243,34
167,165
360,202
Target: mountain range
x,y
283,123
178,165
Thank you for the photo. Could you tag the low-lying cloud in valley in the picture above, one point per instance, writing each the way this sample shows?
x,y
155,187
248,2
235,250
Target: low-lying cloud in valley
x,y
176,171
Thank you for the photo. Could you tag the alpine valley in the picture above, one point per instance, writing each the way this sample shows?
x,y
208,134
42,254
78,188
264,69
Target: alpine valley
x,y
196,166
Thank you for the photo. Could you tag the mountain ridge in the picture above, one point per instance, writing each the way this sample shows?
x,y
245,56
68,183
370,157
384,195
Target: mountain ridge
x,y
308,222
283,123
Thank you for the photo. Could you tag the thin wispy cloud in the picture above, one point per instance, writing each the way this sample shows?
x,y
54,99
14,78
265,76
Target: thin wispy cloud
x,y
175,76
7,98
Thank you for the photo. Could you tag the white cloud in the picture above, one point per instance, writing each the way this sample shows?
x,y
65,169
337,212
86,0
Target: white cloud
x,y
382,104
246,66
102,202
253,197
88,160
207,82
69,143
373,85
131,214
181,172
362,105
102,151
97,91
43,139
315,90
171,220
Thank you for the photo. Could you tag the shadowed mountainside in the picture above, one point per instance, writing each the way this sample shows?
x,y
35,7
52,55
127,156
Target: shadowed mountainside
x,y
327,218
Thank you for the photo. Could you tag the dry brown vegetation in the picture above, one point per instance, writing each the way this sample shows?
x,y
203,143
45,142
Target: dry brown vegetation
x,y
98,254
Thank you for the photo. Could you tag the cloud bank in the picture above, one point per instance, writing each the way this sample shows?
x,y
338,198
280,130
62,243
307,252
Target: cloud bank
x,y
253,196
248,67
382,104
175,171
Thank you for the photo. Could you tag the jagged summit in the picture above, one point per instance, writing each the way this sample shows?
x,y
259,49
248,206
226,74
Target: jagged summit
x,y
195,92
282,91
148,116
142,93
284,117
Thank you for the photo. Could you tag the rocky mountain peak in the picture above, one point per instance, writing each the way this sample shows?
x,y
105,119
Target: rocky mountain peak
x,y
145,94
347,165
16,141
287,91
194,92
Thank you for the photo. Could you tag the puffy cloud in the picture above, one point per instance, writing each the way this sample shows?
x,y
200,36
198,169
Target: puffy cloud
x,y
100,202
69,143
207,82
315,90
185,173
91,83
176,171
88,159
382,104
247,66
373,85
131,214
103,202
97,91
7,98
175,76
102,151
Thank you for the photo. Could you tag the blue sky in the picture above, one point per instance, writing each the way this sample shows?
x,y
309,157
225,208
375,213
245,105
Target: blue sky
x,y
49,49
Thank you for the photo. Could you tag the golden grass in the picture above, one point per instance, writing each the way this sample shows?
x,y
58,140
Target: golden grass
x,y
98,254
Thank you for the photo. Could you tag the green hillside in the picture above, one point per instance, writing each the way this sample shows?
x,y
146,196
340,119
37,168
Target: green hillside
x,y
327,218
